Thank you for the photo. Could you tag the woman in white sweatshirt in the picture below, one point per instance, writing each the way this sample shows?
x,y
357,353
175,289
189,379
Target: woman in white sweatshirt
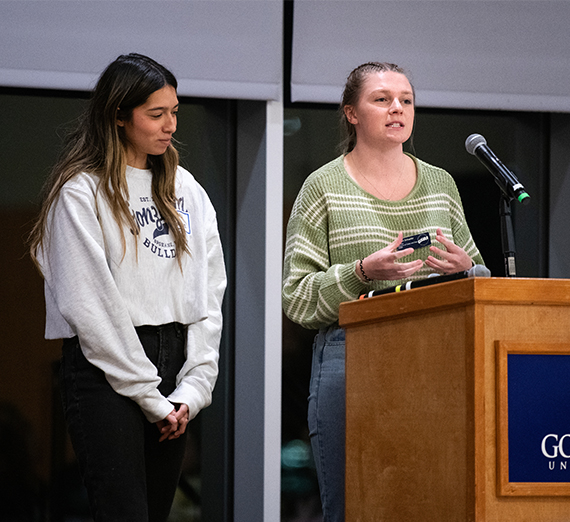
x,y
128,245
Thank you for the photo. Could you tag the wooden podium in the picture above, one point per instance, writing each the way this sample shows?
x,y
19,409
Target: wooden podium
x,y
427,401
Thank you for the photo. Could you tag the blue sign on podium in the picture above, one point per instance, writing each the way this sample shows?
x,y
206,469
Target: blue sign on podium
x,y
539,417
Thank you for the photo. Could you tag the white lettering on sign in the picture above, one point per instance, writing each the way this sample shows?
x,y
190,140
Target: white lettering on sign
x,y
553,445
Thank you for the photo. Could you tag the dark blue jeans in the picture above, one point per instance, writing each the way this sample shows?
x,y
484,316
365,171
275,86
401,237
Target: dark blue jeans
x,y
129,475
327,419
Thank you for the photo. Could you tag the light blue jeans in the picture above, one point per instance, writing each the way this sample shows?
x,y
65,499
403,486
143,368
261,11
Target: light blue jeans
x,y
327,419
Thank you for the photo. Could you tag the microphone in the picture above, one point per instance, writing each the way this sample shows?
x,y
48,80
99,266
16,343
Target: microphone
x,y
477,145
432,279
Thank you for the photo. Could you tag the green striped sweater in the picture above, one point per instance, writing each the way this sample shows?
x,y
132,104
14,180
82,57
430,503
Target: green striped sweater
x,y
334,222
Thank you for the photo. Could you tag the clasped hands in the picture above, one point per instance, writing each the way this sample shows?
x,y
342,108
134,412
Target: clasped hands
x,y
384,264
174,424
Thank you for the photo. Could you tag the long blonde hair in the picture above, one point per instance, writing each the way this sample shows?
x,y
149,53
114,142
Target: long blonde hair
x,y
97,145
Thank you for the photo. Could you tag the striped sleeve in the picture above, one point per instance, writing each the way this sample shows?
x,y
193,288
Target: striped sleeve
x,y
313,289
460,230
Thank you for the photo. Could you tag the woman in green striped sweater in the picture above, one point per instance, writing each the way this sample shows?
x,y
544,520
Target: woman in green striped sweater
x,y
344,237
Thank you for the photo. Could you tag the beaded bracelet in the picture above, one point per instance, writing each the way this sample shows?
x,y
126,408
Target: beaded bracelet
x,y
366,278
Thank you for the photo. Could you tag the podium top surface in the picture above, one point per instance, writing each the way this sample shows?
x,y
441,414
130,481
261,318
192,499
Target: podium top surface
x,y
488,290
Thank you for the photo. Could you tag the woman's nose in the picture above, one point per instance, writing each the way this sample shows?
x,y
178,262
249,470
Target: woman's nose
x,y
396,106
170,123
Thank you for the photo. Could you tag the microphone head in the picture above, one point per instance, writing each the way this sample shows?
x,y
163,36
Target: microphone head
x,y
474,141
479,271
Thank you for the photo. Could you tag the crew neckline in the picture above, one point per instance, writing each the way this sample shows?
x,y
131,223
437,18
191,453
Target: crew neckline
x,y
386,201
141,173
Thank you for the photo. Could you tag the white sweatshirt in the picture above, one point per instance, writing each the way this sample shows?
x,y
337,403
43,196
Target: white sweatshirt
x,y
92,291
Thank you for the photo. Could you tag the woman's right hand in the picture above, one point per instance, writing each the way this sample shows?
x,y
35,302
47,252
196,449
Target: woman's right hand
x,y
383,264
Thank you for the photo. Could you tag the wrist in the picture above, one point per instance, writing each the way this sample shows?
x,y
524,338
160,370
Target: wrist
x,y
361,273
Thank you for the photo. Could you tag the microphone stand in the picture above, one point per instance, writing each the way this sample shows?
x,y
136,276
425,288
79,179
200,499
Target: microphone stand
x,y
507,236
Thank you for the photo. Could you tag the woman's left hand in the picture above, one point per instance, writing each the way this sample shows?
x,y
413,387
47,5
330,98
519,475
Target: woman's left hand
x,y
175,423
453,259
182,415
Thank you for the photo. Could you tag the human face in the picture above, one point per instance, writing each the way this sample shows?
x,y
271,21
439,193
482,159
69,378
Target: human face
x,y
150,127
384,112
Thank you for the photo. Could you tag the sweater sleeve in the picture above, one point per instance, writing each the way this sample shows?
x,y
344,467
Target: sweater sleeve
x,y
460,229
79,282
313,289
198,375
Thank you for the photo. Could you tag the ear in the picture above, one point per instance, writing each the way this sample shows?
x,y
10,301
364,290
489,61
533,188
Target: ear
x,y
120,122
350,114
